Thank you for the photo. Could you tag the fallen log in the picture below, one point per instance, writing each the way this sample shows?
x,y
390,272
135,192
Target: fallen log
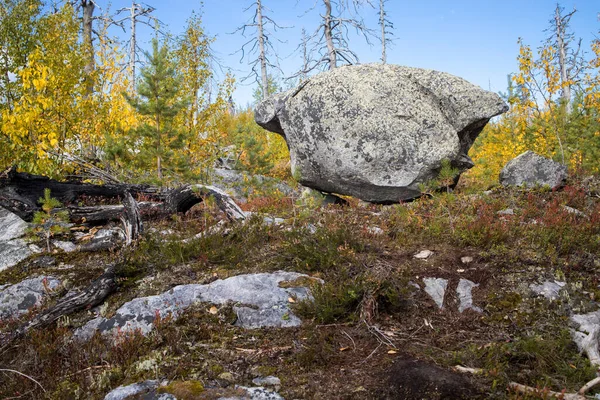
x,y
182,199
89,297
101,214
20,192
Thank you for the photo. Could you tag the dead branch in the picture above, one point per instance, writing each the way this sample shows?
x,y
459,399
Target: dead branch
x,y
580,395
89,297
531,390
131,219
23,375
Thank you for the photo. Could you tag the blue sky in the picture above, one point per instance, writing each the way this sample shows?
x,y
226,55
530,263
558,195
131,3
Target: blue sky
x,y
473,39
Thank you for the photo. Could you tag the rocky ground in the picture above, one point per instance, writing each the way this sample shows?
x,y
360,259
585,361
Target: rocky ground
x,y
305,301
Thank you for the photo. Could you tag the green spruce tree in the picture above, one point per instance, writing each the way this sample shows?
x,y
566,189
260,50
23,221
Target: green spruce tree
x,y
159,99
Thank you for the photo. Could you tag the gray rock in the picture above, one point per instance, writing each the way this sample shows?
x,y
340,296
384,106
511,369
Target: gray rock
x,y
11,226
258,300
506,211
574,211
17,299
146,388
269,381
436,289
548,289
530,169
466,259
376,131
67,247
12,249
465,296
256,393
13,252
423,254
587,335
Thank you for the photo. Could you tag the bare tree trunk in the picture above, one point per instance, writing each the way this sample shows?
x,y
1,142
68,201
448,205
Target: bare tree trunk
x,y
133,46
158,158
88,13
261,49
562,59
329,35
382,24
304,72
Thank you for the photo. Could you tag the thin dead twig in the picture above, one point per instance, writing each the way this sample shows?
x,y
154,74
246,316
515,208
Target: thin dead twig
x,y
23,375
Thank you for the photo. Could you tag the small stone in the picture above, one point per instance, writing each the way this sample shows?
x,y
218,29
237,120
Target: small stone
x,y
574,211
436,289
423,254
465,297
375,230
67,247
146,390
227,377
548,289
506,211
255,393
268,381
466,260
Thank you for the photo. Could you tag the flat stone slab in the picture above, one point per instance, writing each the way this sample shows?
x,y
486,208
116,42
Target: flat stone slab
x,y
464,291
258,299
12,249
13,252
587,335
18,299
548,289
436,289
148,390
11,226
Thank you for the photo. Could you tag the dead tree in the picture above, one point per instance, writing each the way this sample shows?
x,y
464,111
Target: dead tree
x,y
87,12
259,45
329,44
137,14
568,57
385,26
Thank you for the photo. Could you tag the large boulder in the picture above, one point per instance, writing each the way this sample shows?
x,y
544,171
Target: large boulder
x,y
530,169
376,131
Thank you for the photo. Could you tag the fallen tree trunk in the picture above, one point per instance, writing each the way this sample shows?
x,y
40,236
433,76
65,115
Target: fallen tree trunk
x,y
182,199
101,214
19,193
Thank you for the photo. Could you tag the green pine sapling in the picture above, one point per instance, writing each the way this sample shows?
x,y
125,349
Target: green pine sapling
x,y
48,222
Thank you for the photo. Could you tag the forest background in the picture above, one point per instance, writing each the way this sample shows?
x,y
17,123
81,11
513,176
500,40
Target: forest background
x,y
84,82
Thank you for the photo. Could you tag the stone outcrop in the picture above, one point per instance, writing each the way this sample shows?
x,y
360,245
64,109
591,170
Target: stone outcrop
x,y
18,299
12,249
376,131
530,169
260,300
